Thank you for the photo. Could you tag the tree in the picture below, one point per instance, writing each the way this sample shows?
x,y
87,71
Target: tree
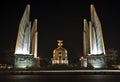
x,y
112,56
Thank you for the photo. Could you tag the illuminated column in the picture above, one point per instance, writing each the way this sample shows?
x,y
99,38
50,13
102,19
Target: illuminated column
x,y
84,38
34,38
36,44
86,43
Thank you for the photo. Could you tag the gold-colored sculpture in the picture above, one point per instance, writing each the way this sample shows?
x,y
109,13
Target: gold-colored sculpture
x,y
60,44
60,55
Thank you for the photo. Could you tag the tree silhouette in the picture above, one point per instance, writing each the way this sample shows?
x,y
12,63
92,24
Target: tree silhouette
x,y
112,56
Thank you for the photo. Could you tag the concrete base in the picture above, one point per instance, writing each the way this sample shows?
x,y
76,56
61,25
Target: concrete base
x,y
25,61
96,61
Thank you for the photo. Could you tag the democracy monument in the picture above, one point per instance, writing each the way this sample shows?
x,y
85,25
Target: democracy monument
x,y
93,42
27,43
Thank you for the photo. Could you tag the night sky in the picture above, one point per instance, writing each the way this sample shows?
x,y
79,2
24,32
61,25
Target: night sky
x,y
59,20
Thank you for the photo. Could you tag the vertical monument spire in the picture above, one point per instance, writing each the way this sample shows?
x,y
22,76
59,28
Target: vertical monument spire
x,y
97,43
23,37
34,39
86,44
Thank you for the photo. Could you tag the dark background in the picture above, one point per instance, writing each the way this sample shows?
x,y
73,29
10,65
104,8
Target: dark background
x,y
60,19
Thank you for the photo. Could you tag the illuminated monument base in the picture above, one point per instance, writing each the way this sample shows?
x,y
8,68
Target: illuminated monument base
x,y
96,61
26,61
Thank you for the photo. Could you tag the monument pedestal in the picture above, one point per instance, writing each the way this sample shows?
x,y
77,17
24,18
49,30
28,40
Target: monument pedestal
x,y
25,61
96,61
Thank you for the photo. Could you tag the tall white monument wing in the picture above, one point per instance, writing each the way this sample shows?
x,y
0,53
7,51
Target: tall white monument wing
x,y
96,31
23,37
93,42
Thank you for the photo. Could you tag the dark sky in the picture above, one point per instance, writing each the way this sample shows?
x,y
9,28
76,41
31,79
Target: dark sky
x,y
59,19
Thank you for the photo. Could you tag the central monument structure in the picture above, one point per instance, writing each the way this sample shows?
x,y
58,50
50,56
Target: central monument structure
x,y
93,43
26,43
60,55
